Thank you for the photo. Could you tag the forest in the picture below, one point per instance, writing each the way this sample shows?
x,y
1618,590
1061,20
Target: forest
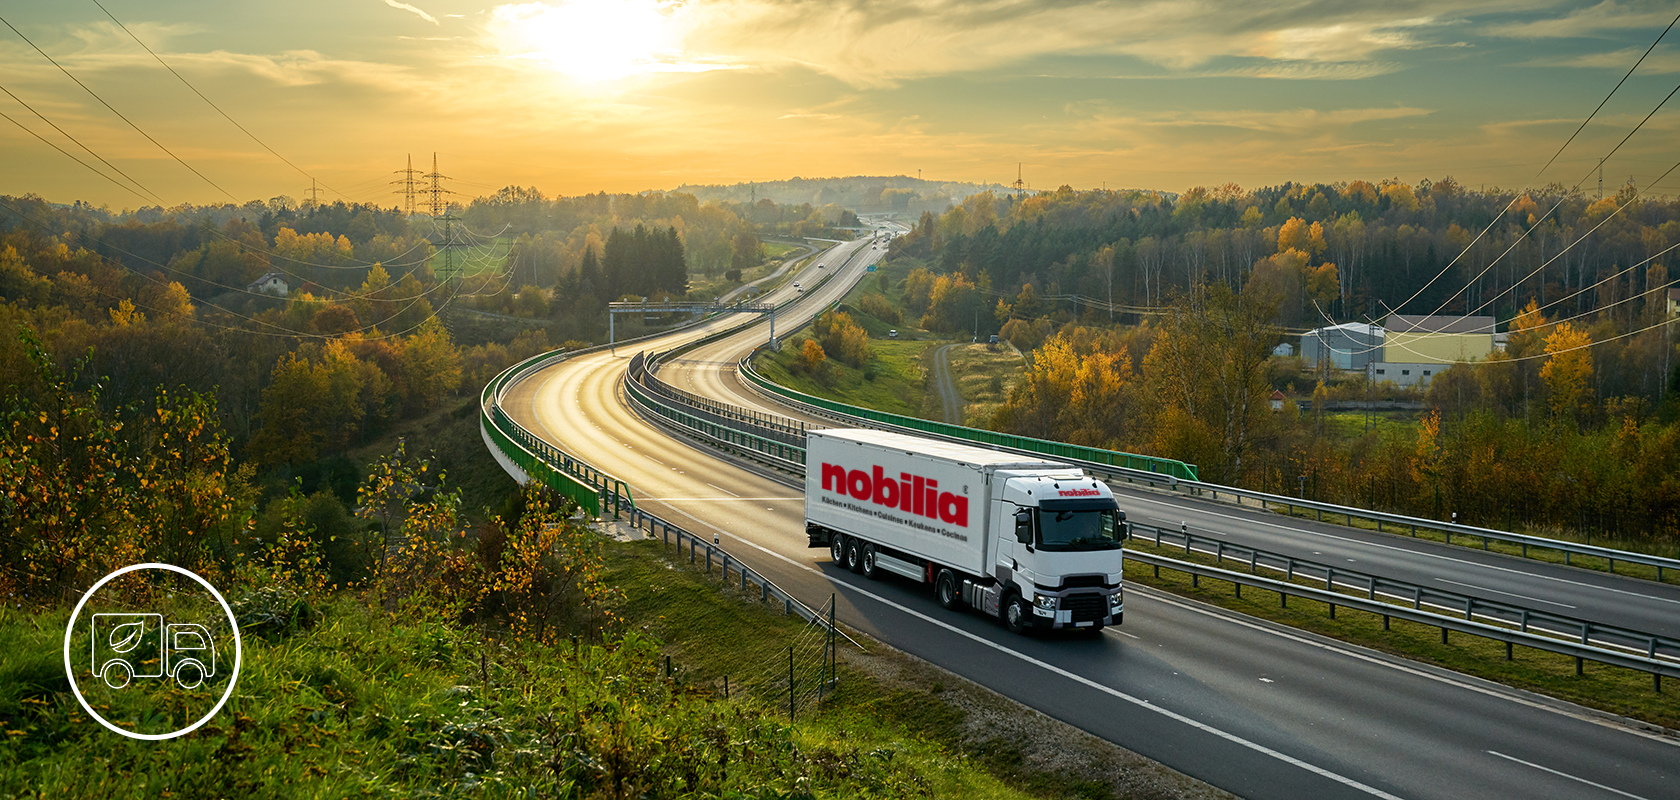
x,y
1150,323
140,357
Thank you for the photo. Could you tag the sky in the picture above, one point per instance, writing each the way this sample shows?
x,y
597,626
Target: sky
x,y
576,96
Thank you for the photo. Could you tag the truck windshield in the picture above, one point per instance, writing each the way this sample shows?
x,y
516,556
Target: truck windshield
x,y
1077,530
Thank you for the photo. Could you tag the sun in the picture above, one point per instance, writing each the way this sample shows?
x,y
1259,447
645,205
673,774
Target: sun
x,y
590,40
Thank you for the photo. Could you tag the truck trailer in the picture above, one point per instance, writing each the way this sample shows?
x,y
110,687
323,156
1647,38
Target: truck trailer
x,y
1033,542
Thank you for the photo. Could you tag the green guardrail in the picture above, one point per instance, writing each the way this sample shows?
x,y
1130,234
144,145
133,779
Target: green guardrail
x,y
1160,466
590,488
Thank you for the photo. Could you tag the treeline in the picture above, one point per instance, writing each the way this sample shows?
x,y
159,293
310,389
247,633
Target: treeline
x,y
1356,248
1516,441
216,251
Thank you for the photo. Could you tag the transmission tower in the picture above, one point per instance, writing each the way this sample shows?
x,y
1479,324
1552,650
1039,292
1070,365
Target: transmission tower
x,y
314,194
408,183
435,192
1020,185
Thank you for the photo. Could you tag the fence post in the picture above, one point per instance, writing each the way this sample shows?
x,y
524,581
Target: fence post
x,y
791,697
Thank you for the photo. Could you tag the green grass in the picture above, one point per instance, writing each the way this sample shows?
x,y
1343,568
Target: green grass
x,y
366,703
893,381
958,737
1613,689
983,377
471,261
775,250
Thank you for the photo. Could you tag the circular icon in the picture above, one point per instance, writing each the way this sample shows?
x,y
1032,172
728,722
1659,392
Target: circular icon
x,y
126,632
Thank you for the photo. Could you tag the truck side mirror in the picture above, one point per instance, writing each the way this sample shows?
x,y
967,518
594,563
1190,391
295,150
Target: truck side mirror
x,y
1122,531
1023,526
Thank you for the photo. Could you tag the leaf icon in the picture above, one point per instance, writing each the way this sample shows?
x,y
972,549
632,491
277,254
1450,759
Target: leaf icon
x,y
125,637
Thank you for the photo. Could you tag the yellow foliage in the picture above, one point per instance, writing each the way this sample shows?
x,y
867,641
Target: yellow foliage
x,y
1568,371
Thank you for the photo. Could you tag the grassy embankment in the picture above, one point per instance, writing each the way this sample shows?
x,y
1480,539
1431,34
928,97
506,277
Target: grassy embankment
x,y
369,703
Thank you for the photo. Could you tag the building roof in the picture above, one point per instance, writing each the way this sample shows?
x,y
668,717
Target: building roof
x,y
1349,327
1404,323
268,276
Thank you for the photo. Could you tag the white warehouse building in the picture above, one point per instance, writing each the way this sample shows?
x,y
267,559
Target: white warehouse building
x,y
1350,345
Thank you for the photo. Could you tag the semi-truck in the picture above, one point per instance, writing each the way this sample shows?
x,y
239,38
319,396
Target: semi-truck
x,y
1035,543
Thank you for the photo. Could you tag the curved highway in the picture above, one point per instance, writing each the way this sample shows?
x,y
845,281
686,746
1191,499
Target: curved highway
x,y
1254,708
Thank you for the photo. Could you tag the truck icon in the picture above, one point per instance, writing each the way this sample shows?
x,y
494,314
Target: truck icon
x,y
129,646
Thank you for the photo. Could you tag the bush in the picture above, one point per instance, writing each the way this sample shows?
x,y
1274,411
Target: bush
x,y
733,276
877,306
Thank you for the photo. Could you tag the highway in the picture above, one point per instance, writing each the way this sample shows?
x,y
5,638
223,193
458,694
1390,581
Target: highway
x,y
1258,709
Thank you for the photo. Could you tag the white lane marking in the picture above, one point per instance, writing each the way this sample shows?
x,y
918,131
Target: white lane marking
x,y
1346,540
1127,635
1565,775
1398,666
1508,594
720,499
1077,678
721,489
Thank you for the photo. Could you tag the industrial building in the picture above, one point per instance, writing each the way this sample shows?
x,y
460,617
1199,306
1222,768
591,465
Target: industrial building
x,y
1350,345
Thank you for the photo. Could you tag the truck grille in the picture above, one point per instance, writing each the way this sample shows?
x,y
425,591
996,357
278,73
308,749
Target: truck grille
x,y
1085,607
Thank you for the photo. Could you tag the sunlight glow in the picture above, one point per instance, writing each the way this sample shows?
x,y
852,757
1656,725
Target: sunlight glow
x,y
594,40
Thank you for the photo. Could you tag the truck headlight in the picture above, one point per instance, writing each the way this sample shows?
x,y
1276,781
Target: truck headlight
x,y
1116,600
1045,601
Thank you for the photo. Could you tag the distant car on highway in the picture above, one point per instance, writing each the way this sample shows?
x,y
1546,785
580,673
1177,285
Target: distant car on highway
x,y
892,334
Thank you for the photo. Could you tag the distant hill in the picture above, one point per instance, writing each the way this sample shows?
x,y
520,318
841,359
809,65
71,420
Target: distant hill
x,y
864,194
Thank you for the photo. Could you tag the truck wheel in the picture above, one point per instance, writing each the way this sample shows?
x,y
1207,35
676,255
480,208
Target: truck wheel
x,y
946,591
117,674
868,567
837,548
854,554
1016,614
189,675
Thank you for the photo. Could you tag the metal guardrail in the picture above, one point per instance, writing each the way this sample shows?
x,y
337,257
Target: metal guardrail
x,y
1160,467
837,411
643,372
592,489
1658,668
775,452
671,534
1522,618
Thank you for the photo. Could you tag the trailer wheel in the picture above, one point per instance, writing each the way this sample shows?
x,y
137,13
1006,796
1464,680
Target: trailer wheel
x,y
837,548
854,554
1015,613
868,567
117,674
189,675
946,591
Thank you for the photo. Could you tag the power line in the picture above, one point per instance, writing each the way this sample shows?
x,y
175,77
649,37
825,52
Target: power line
x,y
119,114
78,142
207,100
71,157
1601,102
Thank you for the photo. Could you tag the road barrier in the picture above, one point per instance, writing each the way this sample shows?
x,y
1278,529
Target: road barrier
x,y
1521,618
1658,668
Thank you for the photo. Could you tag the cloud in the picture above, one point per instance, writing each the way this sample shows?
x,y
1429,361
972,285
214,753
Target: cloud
x,y
406,7
1658,62
872,43
1606,16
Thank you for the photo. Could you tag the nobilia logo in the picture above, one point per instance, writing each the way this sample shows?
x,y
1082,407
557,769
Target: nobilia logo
x,y
912,493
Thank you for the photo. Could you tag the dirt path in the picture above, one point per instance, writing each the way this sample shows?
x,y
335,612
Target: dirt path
x,y
949,398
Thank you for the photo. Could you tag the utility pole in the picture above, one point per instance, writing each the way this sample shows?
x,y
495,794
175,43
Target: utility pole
x,y
408,183
1601,179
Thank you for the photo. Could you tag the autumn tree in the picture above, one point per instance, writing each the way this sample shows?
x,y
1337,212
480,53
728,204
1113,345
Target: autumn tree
x,y
1568,372
1207,367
